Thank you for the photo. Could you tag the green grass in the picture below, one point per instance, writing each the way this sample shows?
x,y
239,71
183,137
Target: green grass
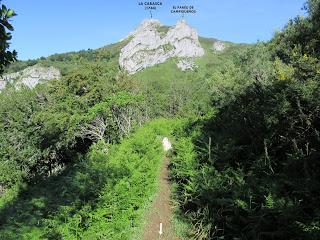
x,y
104,196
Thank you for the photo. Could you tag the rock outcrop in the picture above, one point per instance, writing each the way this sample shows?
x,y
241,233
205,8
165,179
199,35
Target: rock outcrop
x,y
30,77
186,64
150,46
218,46
2,189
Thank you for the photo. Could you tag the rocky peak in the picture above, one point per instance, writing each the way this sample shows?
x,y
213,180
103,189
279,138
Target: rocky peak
x,y
185,40
150,46
148,24
30,76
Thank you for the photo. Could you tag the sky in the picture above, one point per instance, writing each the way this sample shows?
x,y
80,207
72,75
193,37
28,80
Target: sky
x,y
45,27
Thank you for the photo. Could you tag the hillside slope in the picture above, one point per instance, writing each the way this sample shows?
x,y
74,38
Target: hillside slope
x,y
103,196
79,155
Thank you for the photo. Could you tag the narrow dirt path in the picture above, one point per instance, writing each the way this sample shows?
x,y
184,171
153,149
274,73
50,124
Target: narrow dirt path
x,y
161,210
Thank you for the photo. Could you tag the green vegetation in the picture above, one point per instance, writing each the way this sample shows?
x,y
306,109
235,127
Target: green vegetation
x,y
71,61
79,157
251,170
167,47
101,196
6,56
163,30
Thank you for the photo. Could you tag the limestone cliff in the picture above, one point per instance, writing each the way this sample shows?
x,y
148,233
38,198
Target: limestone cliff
x,y
151,43
30,77
218,46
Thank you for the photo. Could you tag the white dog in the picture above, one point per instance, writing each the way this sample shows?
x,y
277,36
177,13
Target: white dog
x,y
166,144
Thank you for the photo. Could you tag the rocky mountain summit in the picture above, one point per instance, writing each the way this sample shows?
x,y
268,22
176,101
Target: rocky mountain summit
x,y
30,76
152,43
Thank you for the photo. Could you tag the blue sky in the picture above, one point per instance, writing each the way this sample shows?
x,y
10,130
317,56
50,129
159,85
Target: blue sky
x,y
45,27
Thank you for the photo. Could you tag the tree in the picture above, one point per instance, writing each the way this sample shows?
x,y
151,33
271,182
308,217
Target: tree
x,y
6,56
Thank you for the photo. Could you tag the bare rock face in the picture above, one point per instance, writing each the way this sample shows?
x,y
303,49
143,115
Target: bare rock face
x,y
218,46
30,77
149,46
146,24
2,190
186,64
2,84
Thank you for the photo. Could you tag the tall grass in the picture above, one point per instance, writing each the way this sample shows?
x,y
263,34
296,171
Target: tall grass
x,y
102,197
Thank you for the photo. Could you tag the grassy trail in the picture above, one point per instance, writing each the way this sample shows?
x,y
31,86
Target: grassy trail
x,y
161,209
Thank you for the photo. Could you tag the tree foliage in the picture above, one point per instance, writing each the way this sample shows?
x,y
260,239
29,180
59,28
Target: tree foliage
x,y
6,56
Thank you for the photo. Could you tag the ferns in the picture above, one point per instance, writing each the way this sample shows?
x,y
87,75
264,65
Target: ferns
x,y
103,196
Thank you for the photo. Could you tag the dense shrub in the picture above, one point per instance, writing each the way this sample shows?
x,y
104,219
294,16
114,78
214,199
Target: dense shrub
x,y
252,170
